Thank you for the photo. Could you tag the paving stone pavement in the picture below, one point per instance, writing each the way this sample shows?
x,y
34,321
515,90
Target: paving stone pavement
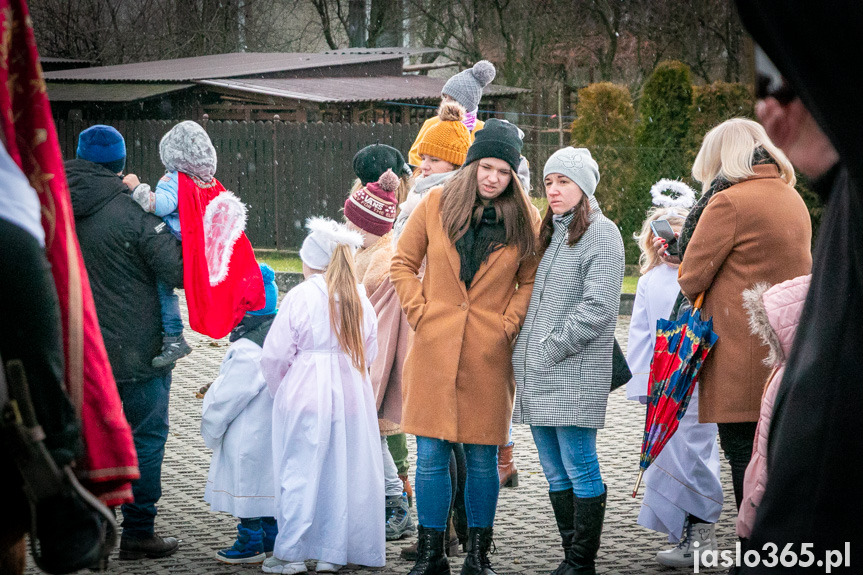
x,y
525,536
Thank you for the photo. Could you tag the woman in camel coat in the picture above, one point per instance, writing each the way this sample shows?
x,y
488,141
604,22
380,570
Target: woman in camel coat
x,y
750,226
478,233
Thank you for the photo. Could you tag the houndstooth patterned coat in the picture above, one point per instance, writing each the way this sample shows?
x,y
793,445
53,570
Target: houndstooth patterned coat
x,y
562,358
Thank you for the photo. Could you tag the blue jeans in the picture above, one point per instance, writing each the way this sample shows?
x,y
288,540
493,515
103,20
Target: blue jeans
x,y
568,458
434,486
172,323
145,404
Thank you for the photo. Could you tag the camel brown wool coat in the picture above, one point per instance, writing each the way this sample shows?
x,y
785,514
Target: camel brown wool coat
x,y
758,230
458,383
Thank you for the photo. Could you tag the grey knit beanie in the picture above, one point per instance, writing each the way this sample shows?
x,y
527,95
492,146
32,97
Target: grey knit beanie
x,y
187,148
577,165
466,87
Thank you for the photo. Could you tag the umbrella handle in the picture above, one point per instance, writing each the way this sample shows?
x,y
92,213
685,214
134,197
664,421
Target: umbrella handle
x,y
637,483
699,301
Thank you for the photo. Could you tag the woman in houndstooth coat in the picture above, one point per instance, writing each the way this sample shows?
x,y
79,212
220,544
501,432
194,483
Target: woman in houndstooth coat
x,y
562,358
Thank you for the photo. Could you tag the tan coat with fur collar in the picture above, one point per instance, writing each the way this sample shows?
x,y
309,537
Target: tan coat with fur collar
x,y
458,382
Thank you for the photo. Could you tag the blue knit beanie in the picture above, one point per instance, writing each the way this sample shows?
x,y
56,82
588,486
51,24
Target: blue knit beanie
x,y
271,290
103,145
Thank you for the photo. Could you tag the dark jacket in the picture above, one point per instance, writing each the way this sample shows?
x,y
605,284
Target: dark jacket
x,y
126,250
814,456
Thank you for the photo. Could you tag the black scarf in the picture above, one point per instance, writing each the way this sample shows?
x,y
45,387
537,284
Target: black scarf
x,y
253,327
759,157
483,237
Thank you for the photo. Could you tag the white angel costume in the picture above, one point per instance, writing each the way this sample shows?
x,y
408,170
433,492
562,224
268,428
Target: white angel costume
x,y
326,443
236,425
684,478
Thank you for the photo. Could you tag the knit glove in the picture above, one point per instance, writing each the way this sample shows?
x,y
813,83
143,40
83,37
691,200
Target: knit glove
x,y
144,197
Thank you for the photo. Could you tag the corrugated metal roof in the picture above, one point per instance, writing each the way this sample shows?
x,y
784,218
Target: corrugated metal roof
x,y
51,60
83,92
346,90
214,66
400,50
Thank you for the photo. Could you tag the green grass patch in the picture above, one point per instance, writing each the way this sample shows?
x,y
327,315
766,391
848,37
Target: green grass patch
x,y
280,261
290,262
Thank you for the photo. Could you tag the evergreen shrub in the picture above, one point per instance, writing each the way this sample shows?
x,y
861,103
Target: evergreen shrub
x,y
605,125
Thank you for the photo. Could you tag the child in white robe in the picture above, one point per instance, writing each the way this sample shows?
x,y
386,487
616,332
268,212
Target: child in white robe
x,y
683,494
326,444
236,423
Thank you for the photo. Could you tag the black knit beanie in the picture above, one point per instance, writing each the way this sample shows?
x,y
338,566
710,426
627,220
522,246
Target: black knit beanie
x,y
497,139
372,161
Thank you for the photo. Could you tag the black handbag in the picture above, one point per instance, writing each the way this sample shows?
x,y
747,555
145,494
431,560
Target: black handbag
x,y
70,529
620,373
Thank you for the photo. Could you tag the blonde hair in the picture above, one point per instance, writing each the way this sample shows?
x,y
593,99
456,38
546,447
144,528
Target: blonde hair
x,y
649,259
346,306
727,151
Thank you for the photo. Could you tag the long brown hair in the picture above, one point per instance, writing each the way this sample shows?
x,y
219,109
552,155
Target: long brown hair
x,y
346,307
579,224
461,205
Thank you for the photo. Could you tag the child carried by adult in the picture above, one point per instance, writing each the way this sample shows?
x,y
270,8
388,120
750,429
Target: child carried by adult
x,y
220,274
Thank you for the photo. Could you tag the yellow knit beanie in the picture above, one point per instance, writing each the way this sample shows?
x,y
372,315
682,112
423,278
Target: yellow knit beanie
x,y
449,139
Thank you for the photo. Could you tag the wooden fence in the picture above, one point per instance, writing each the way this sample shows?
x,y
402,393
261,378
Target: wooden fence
x,y
284,172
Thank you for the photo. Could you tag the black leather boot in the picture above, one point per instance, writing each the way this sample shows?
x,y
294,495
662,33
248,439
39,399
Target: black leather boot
x,y
152,547
430,556
589,515
479,542
563,503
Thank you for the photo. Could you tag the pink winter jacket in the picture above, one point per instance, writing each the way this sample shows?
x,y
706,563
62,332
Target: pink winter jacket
x,y
774,313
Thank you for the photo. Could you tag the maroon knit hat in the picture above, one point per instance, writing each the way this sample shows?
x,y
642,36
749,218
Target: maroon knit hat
x,y
373,207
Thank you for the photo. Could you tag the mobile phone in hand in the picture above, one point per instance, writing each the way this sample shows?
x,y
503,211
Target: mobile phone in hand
x,y
662,229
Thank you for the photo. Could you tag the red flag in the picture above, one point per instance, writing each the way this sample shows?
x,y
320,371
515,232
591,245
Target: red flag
x,y
110,462
215,310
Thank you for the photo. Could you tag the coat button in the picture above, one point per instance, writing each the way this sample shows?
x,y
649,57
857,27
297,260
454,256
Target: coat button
x,y
463,306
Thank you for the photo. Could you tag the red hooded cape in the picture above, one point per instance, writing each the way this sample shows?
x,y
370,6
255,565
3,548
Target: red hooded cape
x,y
214,310
110,461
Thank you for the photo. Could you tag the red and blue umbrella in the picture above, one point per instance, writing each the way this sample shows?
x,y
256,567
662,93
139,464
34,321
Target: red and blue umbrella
x,y
681,348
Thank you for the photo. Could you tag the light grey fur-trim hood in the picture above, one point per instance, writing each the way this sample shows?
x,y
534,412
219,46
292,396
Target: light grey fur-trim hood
x,y
759,323
187,148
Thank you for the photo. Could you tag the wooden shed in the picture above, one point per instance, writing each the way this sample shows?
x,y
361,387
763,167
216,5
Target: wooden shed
x,y
368,85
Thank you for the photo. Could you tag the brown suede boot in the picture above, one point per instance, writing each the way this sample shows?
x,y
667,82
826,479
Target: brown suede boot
x,y
506,468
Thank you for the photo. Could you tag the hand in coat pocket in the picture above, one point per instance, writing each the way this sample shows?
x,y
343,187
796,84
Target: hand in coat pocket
x,y
554,350
509,329
414,319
